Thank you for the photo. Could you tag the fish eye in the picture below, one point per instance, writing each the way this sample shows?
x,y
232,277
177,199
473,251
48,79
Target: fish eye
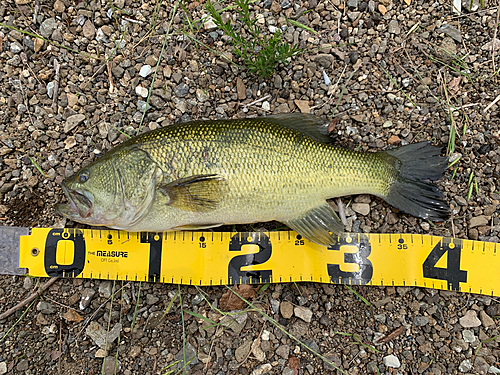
x,y
83,176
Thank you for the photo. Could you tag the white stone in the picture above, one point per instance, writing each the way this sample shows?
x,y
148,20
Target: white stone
x,y
145,71
391,361
465,366
468,335
266,106
361,208
303,313
470,319
142,91
3,368
210,25
265,335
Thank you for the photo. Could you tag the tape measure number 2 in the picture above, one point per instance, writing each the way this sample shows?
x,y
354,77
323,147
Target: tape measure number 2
x,y
218,258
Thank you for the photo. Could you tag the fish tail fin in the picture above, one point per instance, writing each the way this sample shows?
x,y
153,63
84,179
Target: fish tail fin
x,y
410,191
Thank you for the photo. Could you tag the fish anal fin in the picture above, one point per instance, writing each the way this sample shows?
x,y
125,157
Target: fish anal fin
x,y
198,193
320,225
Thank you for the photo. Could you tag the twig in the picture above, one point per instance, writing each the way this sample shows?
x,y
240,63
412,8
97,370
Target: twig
x,y
493,42
257,101
491,104
111,85
28,300
60,348
57,67
341,211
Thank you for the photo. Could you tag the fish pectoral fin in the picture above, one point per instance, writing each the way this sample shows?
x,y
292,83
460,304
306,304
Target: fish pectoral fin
x,y
320,225
199,193
197,226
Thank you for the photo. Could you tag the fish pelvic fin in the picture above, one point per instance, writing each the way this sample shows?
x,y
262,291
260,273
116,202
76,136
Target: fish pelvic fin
x,y
410,191
320,225
198,193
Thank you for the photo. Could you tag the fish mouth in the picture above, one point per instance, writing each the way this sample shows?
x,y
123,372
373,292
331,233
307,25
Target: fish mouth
x,y
79,204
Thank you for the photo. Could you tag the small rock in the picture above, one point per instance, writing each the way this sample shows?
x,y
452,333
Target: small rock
x,y
257,350
470,319
394,140
451,31
324,59
23,366
88,30
204,358
465,366
69,142
382,9
361,208
283,351
101,353
3,368
333,363
420,321
286,309
481,366
241,89
111,366
105,286
153,320
142,91
468,336
134,351
391,361
491,370
72,99
45,308
87,295
266,106
242,351
303,106
447,49
100,336
210,25
28,281
47,27
486,320
151,60
265,335
202,95
145,71
181,90
303,313
50,89
394,27
262,369
478,221
73,121
425,226
15,47
59,6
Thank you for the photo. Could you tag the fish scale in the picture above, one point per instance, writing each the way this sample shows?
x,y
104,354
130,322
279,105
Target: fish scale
x,y
203,174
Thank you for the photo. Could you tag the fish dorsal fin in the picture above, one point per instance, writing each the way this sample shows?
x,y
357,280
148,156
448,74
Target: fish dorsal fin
x,y
320,225
311,125
199,193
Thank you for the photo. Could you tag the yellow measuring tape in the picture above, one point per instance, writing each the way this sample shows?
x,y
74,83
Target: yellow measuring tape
x,y
219,258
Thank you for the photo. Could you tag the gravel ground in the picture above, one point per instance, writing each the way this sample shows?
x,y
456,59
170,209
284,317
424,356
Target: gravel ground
x,y
399,64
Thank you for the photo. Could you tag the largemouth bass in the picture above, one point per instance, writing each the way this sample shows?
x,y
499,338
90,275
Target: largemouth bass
x,y
204,174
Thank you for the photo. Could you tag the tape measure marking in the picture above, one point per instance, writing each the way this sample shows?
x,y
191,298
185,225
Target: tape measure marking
x,y
210,258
